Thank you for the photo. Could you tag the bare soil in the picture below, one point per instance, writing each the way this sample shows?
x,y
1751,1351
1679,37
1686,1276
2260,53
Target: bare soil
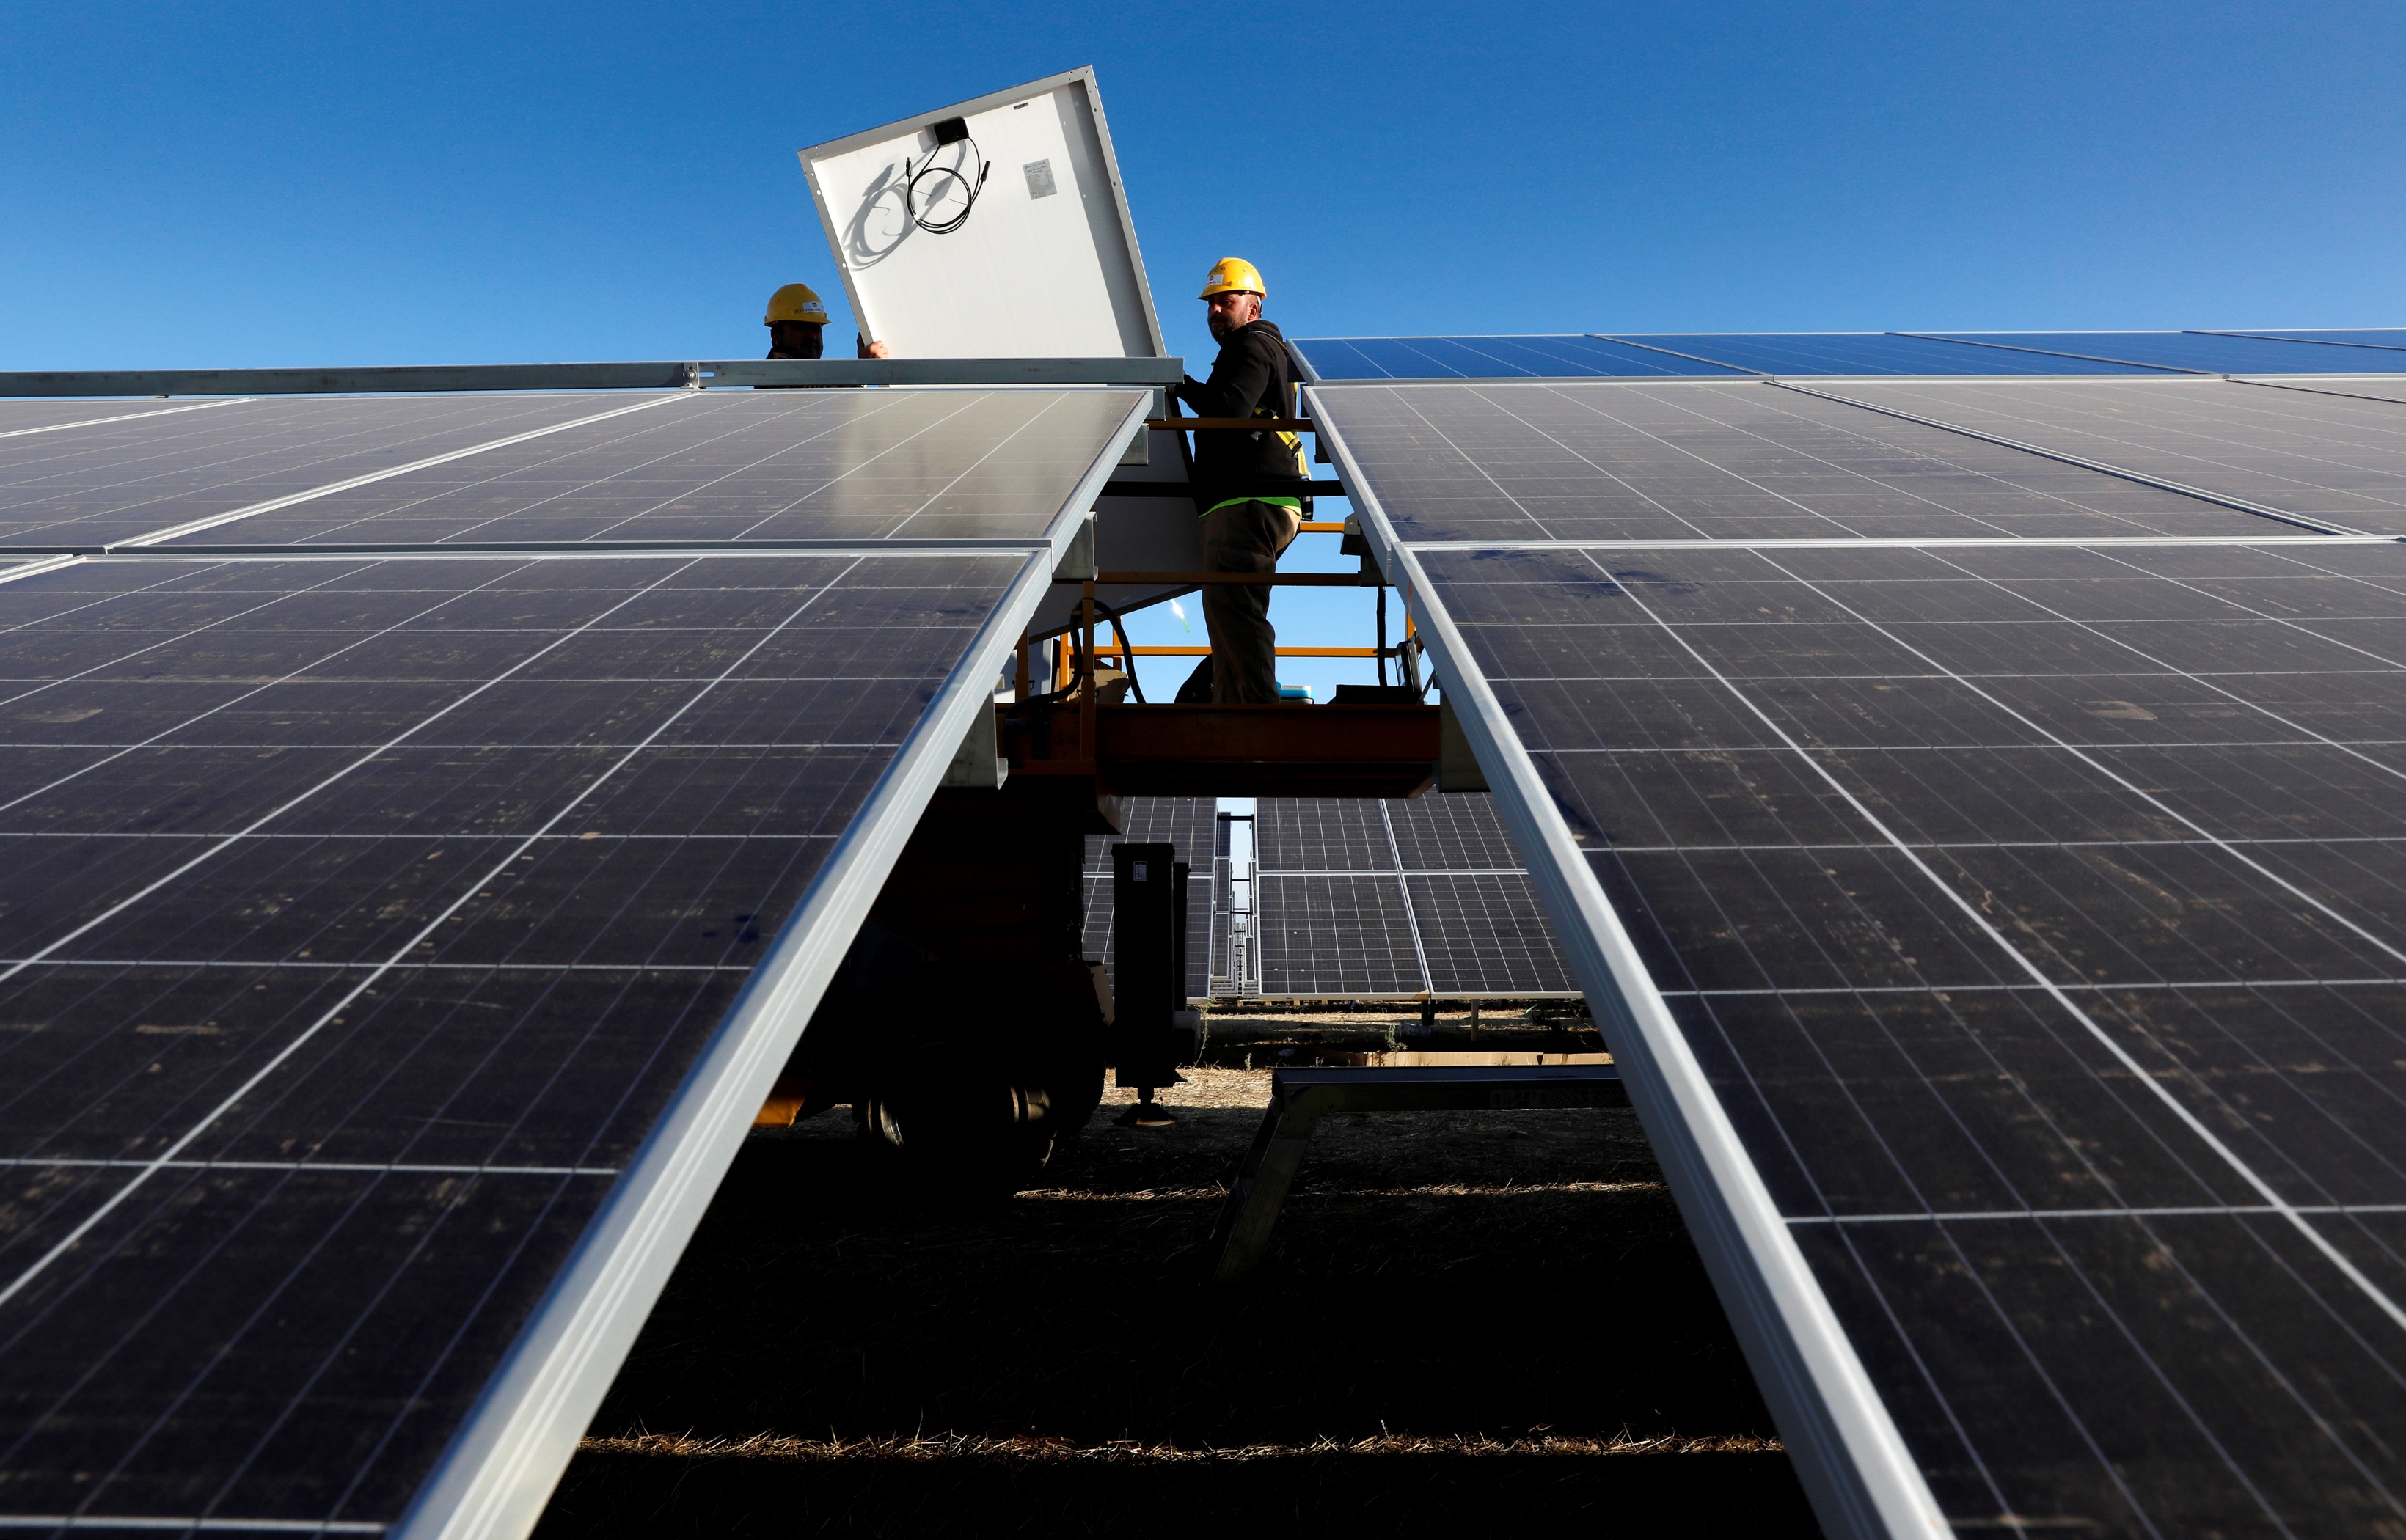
x,y
1473,1322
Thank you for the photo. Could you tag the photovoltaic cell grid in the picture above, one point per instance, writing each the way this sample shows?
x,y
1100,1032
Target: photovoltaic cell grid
x,y
1189,823
20,417
1499,357
2332,458
1424,896
737,466
2364,386
1801,354
1566,462
2358,337
2030,912
123,480
1866,353
2207,351
368,915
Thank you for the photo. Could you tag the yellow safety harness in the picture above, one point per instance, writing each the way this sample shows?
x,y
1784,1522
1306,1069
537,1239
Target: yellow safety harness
x,y
1293,442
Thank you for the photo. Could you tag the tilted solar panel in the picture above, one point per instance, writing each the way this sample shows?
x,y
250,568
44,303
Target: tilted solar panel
x,y
20,417
2335,458
735,465
1492,357
2365,387
1865,353
1483,933
2355,337
144,476
1456,832
2209,352
1336,936
1636,463
1404,898
2000,938
397,947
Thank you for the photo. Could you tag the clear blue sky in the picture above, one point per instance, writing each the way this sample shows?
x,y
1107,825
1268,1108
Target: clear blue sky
x,y
351,183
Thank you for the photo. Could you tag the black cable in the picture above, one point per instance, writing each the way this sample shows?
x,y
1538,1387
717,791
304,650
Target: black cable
x,y
911,189
1127,654
1382,639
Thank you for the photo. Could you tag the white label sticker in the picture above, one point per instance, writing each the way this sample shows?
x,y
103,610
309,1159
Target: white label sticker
x,y
1140,870
1039,178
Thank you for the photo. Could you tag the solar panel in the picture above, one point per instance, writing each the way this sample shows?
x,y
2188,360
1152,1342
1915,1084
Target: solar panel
x,y
1999,940
2367,386
397,946
1865,353
1482,933
2331,458
2207,351
1321,834
2356,337
1396,898
1486,358
154,472
1457,831
737,466
1334,935
19,417
1572,461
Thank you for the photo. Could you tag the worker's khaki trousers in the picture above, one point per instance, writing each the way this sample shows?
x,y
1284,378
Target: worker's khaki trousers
x,y
1243,537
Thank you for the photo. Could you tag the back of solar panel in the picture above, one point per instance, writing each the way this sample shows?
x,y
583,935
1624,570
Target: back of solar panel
x,y
1044,265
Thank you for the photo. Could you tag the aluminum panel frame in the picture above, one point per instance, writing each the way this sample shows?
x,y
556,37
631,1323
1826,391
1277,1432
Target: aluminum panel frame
x,y
1862,1479
686,375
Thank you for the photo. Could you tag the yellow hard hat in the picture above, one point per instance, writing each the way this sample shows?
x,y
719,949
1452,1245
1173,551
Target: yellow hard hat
x,y
795,302
1233,275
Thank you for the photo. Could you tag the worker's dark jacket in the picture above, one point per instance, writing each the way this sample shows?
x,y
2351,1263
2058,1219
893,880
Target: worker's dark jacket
x,y
1252,377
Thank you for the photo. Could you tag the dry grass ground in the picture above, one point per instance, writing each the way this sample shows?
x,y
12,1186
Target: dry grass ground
x,y
1473,1324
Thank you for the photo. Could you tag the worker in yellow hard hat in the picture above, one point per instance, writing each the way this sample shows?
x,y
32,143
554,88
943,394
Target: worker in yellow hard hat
x,y
797,322
1242,478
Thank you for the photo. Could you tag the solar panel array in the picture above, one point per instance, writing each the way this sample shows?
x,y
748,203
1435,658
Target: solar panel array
x,y
1356,898
1646,355
1478,358
1985,856
2206,352
400,935
2335,459
1189,823
2347,337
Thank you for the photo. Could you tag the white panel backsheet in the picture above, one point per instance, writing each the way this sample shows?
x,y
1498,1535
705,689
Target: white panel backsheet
x,y
1045,266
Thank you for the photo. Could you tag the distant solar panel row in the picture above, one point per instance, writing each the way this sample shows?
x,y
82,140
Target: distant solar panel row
x,y
1355,898
397,939
1190,824
1993,894
1424,896
1706,355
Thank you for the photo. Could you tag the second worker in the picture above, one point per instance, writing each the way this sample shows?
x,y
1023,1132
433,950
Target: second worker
x,y
1248,519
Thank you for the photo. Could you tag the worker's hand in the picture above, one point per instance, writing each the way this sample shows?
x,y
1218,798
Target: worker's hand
x,y
867,349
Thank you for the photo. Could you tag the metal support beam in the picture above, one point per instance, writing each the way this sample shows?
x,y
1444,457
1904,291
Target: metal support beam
x,y
1299,1098
645,375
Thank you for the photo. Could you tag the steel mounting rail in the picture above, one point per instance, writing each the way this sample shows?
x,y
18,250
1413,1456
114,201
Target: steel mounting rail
x,y
675,374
